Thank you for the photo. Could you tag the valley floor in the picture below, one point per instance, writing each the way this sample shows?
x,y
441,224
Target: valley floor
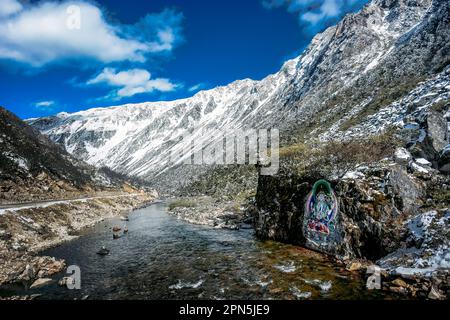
x,y
29,232
163,257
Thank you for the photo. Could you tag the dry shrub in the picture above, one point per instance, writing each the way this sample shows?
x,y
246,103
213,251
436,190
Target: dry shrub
x,y
335,158
182,203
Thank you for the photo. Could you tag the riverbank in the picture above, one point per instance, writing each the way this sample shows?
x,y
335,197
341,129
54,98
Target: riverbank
x,y
26,231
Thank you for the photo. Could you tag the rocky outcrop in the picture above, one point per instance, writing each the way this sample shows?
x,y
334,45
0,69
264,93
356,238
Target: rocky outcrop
x,y
437,129
370,208
429,233
423,260
428,135
394,213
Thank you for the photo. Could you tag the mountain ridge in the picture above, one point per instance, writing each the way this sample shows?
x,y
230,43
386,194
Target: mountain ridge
x,y
33,168
349,68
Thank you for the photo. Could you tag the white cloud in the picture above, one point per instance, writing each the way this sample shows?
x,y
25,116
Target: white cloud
x,y
9,7
328,9
164,30
131,82
166,38
196,87
44,104
314,12
38,34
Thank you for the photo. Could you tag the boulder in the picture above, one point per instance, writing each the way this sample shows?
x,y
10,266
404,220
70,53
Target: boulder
x,y
435,294
415,167
402,156
423,162
48,266
399,283
42,282
369,209
432,139
65,281
28,274
437,130
41,176
354,266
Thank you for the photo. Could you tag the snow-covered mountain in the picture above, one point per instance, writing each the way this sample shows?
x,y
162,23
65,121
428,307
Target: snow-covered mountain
x,y
352,78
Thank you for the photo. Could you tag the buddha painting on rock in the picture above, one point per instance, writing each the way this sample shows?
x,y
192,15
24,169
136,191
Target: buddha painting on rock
x,y
321,210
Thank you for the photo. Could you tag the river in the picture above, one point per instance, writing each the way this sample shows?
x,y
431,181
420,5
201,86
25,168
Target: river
x,y
162,257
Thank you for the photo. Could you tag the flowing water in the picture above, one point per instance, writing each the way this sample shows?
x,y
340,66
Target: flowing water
x,y
165,258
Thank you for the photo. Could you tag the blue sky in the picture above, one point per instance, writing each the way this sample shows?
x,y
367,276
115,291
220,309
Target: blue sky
x,y
72,55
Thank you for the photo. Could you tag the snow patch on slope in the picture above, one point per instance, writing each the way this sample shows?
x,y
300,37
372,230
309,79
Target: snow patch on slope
x,y
430,233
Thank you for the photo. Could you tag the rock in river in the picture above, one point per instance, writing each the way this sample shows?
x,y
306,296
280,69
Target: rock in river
x,y
39,283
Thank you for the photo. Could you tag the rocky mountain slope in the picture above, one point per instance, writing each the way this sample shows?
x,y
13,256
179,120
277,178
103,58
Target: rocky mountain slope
x,y
351,80
32,167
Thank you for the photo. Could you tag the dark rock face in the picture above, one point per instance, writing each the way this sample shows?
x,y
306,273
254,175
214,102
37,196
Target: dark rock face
x,y
280,204
368,221
321,222
444,160
25,151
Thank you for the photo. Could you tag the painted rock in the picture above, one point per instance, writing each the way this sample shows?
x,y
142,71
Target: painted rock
x,y
320,222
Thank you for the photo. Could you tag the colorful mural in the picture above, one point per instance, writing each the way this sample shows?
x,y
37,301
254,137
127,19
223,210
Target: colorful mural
x,y
320,214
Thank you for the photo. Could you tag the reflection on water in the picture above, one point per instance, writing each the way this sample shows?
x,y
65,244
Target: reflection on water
x,y
164,258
